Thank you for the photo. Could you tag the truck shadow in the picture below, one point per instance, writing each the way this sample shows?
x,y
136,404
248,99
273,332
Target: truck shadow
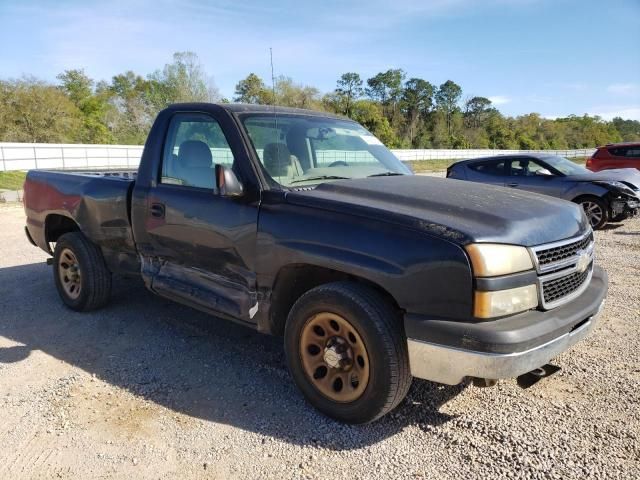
x,y
188,362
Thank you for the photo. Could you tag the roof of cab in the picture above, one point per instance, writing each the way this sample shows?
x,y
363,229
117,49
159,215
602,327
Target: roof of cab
x,y
239,108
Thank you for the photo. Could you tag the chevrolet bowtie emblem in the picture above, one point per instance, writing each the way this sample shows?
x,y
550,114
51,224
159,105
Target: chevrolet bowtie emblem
x,y
584,259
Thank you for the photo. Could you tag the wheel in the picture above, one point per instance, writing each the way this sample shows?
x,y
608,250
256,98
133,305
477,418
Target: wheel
x,y
80,273
596,211
347,352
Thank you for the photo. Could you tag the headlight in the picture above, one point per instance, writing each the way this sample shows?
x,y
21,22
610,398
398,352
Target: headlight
x,y
505,302
492,259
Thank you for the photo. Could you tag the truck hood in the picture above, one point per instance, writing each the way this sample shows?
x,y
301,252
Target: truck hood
x,y
627,175
458,211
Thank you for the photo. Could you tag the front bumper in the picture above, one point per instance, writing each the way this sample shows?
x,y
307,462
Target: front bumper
x,y
449,351
625,207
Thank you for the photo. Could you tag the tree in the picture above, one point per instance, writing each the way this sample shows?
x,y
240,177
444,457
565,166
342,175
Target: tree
x,y
79,88
253,90
34,111
447,98
135,103
629,129
185,80
386,88
290,94
369,114
76,85
416,102
475,110
499,133
399,112
349,89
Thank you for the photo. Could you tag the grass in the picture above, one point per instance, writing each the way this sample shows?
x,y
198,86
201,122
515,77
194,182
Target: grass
x,y
12,180
421,166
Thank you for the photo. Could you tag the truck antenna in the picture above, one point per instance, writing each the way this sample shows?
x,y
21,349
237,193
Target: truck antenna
x,y
273,78
275,113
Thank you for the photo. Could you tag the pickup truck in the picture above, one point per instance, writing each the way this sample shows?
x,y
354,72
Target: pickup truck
x,y
302,224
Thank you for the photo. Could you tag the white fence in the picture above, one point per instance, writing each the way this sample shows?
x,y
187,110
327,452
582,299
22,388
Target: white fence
x,y
412,155
26,156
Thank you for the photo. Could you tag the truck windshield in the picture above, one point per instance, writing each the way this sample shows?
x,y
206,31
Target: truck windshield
x,y
298,150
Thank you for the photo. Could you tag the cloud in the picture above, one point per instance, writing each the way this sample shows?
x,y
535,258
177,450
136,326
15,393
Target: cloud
x,y
628,113
499,99
624,89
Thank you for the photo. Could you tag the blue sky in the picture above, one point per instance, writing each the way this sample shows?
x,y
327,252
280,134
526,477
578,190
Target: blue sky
x,y
554,57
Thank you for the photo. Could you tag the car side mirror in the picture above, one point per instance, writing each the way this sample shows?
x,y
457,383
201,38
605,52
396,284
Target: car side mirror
x,y
544,172
227,184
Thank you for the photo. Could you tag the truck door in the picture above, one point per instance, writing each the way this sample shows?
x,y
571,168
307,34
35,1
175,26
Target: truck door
x,y
198,247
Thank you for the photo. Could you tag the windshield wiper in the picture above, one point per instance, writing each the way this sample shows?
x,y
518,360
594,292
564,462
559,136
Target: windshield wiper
x,y
385,174
319,177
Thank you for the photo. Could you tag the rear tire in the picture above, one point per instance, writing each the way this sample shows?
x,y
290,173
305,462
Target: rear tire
x,y
347,352
80,273
595,209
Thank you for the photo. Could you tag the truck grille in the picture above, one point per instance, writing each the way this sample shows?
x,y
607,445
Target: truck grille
x,y
563,252
564,269
554,290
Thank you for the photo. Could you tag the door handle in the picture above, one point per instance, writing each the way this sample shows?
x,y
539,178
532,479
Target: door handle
x,y
157,210
512,185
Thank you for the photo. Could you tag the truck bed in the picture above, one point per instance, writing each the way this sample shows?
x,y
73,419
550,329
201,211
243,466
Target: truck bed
x,y
98,202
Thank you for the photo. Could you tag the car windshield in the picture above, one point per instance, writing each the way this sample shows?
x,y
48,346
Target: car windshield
x,y
299,150
565,166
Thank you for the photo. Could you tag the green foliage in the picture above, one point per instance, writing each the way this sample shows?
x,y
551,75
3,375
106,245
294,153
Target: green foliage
x,y
253,90
33,111
369,114
348,90
290,94
447,98
79,89
403,114
12,180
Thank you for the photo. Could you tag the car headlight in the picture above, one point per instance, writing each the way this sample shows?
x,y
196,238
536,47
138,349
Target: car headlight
x,y
505,302
493,259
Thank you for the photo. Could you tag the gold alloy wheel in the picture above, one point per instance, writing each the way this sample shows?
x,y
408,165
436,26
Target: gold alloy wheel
x,y
70,275
334,357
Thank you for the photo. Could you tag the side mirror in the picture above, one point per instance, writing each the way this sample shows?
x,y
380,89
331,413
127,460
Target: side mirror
x,y
544,172
227,183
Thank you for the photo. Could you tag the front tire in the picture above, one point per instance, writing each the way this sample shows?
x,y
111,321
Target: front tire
x,y
347,352
80,273
596,211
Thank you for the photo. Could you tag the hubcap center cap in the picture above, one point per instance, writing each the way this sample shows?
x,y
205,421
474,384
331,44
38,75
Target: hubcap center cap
x,y
337,353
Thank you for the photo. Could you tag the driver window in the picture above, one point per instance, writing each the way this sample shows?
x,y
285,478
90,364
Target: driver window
x,y
525,167
194,144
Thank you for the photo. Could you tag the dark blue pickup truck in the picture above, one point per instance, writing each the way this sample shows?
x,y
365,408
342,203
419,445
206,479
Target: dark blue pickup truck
x,y
303,224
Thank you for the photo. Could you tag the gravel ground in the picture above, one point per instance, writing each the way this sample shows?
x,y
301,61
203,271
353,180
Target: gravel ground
x,y
149,389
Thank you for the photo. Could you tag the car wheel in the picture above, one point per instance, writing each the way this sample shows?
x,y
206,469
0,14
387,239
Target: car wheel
x,y
347,352
596,211
80,273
